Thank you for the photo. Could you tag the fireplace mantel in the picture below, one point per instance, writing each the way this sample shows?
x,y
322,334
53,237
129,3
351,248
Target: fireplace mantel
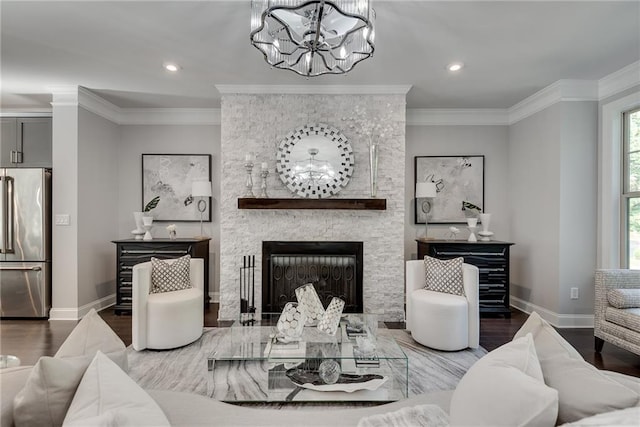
x,y
351,204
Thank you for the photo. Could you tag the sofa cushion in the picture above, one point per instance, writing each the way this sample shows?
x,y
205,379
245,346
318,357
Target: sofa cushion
x,y
106,396
548,341
170,276
90,335
505,388
623,417
582,389
624,297
444,275
420,415
628,318
48,392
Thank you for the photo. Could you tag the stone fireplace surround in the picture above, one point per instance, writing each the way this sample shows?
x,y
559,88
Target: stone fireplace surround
x,y
256,123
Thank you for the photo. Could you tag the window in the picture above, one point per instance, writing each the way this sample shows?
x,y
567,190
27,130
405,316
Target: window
x,y
631,189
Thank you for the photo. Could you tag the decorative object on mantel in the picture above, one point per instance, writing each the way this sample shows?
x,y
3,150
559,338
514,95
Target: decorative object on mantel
x,y
330,321
147,222
485,234
310,302
458,179
374,131
313,37
425,192
334,203
264,173
171,229
315,161
139,231
248,166
202,190
472,225
247,289
170,177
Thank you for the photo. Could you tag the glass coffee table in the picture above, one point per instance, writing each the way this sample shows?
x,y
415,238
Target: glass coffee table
x,y
251,366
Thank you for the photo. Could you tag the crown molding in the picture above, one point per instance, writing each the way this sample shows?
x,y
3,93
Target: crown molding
x,y
98,105
620,80
26,112
170,116
314,89
562,90
64,96
457,117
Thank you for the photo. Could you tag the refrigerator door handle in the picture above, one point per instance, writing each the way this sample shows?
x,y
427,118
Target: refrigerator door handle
x,y
8,215
3,214
34,268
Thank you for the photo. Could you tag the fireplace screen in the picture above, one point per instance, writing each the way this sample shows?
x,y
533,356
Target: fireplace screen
x,y
334,268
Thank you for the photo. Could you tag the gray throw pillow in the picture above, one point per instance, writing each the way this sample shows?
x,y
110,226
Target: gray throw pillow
x,y
444,275
170,276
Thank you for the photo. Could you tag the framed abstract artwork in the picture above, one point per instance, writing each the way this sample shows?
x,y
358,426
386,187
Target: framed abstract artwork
x,y
458,179
169,177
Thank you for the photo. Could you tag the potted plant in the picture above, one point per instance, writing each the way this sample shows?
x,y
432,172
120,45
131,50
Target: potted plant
x,y
147,219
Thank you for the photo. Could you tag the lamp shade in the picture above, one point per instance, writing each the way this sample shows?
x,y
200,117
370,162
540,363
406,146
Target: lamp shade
x,y
201,188
425,189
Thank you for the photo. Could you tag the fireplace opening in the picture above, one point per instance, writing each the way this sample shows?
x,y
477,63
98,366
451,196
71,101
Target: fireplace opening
x,y
334,268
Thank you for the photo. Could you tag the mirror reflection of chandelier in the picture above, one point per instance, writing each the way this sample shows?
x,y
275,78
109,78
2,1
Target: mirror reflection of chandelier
x,y
313,37
314,171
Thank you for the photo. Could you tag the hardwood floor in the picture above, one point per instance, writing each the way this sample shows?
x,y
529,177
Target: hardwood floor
x,y
31,339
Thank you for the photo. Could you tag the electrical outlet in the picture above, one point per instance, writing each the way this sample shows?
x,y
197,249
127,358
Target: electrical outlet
x,y
62,219
575,293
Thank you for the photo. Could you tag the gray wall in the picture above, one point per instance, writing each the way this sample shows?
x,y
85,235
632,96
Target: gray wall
x,y
167,139
97,206
490,141
552,187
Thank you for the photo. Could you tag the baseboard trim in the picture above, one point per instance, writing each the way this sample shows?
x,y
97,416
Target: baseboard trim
x,y
556,319
80,312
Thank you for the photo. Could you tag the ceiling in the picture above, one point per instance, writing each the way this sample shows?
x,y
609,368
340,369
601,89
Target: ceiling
x,y
511,49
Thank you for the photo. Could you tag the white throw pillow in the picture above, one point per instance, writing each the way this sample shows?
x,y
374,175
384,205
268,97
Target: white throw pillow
x,y
505,388
48,392
90,335
624,417
583,390
107,396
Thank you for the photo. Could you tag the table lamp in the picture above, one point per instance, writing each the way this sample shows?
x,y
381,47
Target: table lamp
x,y
426,190
201,189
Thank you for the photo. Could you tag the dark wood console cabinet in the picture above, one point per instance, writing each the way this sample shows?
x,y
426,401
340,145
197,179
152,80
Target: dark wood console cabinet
x,y
491,258
131,252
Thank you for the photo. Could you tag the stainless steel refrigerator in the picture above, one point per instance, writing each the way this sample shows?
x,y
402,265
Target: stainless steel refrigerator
x,y
25,242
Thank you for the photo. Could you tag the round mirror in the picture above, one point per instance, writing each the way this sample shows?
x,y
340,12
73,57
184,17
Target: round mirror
x,y
315,161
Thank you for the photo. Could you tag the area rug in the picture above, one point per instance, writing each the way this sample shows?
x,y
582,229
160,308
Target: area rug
x,y
185,369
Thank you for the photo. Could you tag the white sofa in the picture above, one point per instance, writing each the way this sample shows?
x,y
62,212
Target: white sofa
x,y
506,387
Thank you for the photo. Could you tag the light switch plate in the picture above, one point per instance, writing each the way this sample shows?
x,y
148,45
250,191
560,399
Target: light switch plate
x,y
62,219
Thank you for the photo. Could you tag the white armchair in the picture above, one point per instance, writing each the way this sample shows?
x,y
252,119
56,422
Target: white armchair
x,y
439,320
170,319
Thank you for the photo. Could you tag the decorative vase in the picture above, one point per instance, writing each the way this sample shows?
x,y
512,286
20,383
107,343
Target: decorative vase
x,y
485,234
139,231
310,303
373,168
471,225
330,321
147,222
291,322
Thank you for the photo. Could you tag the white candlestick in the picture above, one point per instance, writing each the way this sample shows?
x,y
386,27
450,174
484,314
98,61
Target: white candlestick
x,y
247,158
264,166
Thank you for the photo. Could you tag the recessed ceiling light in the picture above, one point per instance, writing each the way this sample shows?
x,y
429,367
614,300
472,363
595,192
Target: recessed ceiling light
x,y
171,67
455,66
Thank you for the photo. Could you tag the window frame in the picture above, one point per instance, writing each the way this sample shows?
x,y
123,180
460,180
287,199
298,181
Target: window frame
x,y
626,195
